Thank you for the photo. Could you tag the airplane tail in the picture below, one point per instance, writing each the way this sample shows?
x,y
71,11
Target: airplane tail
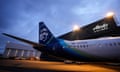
x,y
45,36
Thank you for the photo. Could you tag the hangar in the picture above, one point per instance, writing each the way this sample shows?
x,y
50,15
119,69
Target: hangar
x,y
20,51
102,28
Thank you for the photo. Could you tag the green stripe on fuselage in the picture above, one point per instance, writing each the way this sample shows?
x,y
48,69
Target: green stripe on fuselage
x,y
77,50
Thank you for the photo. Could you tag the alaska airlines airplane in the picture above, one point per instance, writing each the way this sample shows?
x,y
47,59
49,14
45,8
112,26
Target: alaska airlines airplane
x,y
100,49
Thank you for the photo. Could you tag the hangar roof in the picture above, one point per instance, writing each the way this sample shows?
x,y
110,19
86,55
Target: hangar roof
x,y
101,28
18,46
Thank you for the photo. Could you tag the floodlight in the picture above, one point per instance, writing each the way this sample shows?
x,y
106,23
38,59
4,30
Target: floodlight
x,y
109,14
76,28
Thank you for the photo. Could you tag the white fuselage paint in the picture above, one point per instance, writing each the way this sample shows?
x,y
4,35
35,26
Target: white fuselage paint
x,y
108,47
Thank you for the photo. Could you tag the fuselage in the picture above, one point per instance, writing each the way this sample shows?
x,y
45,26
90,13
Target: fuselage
x,y
103,49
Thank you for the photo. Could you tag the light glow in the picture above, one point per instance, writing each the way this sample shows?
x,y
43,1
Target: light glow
x,y
109,14
76,28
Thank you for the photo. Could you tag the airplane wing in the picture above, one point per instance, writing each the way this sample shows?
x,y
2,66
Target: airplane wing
x,y
34,44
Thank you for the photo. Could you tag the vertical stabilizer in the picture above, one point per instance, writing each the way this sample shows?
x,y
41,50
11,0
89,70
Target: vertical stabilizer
x,y
45,36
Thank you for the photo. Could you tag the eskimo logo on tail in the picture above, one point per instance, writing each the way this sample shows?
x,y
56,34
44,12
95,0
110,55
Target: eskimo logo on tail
x,y
43,34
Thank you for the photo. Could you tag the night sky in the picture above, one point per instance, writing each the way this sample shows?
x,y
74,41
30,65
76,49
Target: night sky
x,y
21,17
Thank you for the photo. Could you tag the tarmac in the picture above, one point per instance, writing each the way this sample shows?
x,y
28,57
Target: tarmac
x,y
7,65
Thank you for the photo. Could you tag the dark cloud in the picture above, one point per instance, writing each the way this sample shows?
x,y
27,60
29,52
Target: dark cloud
x,y
8,13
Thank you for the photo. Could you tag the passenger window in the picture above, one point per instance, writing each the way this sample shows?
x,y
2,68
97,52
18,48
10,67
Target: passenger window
x,y
81,46
110,44
118,43
115,44
87,46
84,46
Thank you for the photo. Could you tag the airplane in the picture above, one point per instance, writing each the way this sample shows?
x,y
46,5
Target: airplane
x,y
105,49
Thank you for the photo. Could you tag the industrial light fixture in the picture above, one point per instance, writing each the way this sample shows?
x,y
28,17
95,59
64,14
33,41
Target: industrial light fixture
x,y
76,28
109,14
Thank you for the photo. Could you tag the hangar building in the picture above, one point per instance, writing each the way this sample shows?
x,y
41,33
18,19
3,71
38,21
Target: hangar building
x,y
102,28
20,50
